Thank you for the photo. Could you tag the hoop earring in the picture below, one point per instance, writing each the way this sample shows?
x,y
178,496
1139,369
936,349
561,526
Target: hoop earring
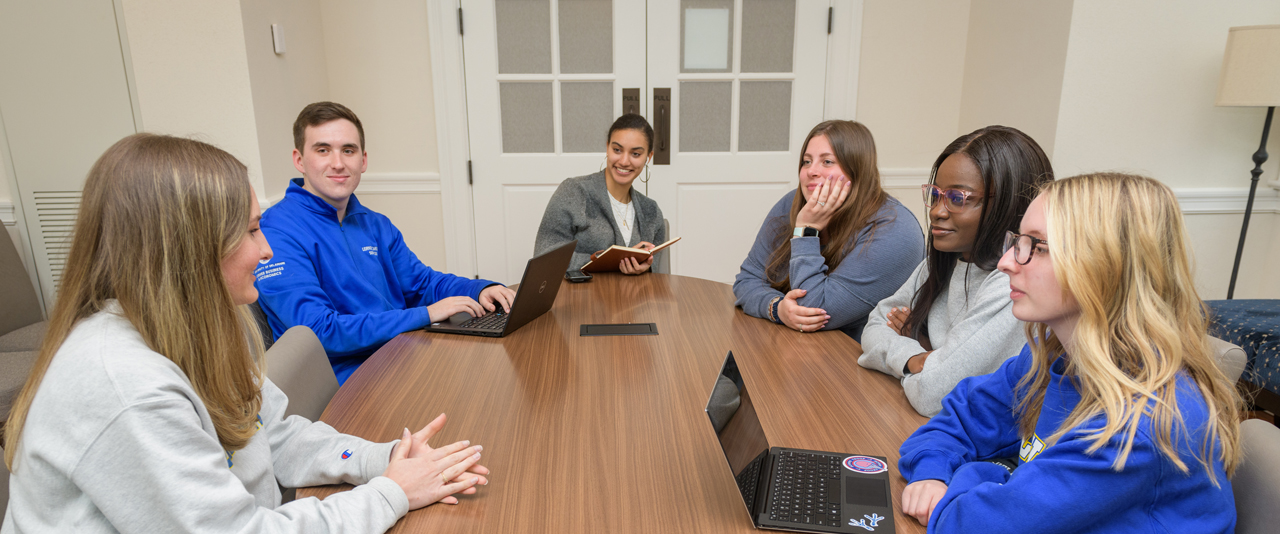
x,y
602,164
645,180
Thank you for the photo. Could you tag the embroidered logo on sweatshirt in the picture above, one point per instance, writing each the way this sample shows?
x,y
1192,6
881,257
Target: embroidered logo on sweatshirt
x,y
1031,448
346,454
268,270
373,251
232,454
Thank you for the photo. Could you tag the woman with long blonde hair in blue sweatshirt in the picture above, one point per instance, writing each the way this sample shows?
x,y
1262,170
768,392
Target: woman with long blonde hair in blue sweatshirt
x,y
1118,415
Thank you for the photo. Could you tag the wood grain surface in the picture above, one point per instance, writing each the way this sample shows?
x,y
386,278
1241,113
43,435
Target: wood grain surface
x,y
608,434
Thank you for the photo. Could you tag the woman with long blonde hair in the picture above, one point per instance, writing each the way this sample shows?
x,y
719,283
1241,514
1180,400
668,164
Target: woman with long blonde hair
x,y
147,409
836,245
1116,409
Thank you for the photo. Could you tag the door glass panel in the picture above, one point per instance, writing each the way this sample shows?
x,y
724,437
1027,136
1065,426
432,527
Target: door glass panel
x,y
706,36
526,117
524,36
586,36
704,116
586,111
768,35
764,116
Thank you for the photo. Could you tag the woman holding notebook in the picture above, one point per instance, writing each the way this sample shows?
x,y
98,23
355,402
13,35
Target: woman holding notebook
x,y
835,246
602,209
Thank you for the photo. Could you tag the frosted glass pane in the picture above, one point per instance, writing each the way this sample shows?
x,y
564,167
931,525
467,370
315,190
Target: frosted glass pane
x,y
706,36
764,116
768,35
704,116
524,36
586,111
526,117
586,36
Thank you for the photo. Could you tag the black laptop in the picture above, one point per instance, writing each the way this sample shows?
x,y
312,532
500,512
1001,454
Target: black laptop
x,y
793,489
536,294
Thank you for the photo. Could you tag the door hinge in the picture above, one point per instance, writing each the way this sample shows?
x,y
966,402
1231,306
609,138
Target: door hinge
x,y
470,179
460,22
830,17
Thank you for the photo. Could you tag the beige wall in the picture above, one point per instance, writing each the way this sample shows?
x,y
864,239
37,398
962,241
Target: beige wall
x,y
380,67
283,84
1014,60
911,72
191,74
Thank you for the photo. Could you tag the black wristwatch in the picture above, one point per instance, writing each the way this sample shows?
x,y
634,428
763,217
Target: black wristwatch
x,y
805,231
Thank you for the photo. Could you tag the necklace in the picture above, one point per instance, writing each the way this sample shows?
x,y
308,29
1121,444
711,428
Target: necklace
x,y
621,216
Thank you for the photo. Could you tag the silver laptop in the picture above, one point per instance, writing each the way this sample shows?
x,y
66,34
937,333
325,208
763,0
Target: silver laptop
x,y
794,489
536,294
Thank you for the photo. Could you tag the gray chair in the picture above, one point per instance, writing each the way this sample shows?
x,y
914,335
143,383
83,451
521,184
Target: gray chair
x,y
1230,357
298,365
22,325
1256,483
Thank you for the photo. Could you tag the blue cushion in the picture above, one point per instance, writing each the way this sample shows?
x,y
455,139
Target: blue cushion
x,y
1254,324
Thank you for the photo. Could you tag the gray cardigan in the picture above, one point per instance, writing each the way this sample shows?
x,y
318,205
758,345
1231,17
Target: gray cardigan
x,y
971,327
580,209
879,263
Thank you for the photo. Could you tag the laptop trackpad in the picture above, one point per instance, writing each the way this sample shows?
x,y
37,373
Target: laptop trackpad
x,y
865,491
458,318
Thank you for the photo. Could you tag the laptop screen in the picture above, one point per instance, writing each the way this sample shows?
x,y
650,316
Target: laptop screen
x,y
738,428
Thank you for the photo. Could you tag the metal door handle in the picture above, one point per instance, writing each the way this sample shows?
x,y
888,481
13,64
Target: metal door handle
x,y
662,125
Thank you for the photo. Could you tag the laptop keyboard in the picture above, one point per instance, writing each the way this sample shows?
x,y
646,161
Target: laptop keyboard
x,y
747,480
806,489
495,320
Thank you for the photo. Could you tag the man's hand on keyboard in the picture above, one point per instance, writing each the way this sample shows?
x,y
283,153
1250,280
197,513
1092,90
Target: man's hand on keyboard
x,y
445,308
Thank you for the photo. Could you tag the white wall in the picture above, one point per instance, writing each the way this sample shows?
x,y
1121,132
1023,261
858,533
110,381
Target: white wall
x,y
282,84
1137,95
192,76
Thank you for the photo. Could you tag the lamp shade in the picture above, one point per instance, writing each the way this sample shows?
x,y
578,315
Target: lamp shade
x,y
1251,67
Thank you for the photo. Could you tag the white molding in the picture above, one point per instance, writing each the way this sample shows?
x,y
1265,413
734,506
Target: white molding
x,y
399,182
844,50
1208,200
904,176
8,215
448,82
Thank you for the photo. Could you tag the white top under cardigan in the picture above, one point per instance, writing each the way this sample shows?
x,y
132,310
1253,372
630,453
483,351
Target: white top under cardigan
x,y
971,327
118,441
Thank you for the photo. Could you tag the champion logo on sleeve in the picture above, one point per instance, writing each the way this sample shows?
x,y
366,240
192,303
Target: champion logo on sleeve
x,y
346,454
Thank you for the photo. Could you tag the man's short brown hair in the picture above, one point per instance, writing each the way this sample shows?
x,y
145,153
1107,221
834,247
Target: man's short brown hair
x,y
319,113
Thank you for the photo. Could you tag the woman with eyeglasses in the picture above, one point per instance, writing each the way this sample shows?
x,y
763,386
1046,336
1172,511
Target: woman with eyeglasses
x,y
952,318
1116,409
832,248
148,408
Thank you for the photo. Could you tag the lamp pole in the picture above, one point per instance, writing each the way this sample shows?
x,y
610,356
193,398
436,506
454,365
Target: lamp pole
x,y
1259,158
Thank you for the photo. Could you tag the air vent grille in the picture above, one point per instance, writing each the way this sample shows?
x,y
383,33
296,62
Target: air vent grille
x,y
56,211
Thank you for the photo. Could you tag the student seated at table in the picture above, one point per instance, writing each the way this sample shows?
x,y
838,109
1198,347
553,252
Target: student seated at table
x,y
602,209
1116,410
342,269
953,317
148,409
835,246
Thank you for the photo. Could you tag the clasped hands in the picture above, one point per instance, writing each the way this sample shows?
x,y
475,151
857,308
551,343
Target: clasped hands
x,y
429,475
490,298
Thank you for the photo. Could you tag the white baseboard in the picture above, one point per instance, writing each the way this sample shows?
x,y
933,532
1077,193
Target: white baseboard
x,y
399,182
904,177
7,214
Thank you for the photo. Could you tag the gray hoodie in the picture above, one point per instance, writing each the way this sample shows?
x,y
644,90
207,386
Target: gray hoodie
x,y
971,327
117,440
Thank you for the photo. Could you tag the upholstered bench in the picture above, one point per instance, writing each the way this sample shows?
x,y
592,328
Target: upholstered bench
x,y
1254,325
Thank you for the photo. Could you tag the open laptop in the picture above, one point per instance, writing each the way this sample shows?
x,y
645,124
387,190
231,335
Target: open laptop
x,y
536,294
794,489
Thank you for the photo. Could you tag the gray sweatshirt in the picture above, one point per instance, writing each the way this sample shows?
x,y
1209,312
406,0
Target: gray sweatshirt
x,y
580,209
971,327
877,265
117,440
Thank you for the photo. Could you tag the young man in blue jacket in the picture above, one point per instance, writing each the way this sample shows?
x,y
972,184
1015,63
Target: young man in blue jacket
x,y
342,269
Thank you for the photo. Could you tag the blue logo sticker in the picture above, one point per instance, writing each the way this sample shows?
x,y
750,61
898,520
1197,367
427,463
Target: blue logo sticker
x,y
865,465
346,454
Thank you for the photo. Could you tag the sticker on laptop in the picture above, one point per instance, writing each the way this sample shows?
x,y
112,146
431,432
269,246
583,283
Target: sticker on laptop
x,y
865,465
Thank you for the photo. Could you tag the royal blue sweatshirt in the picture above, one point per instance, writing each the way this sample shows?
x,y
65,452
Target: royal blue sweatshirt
x,y
1061,488
354,283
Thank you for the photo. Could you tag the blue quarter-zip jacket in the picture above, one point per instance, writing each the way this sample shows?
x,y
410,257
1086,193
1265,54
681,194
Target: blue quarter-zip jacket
x,y
354,283
1061,487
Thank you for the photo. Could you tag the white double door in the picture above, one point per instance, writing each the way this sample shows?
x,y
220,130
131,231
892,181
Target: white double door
x,y
739,83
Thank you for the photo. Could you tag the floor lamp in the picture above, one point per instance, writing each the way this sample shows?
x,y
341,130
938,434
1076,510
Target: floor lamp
x,y
1251,77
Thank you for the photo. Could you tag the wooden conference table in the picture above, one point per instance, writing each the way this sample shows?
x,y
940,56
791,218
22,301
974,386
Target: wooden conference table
x,y
608,434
